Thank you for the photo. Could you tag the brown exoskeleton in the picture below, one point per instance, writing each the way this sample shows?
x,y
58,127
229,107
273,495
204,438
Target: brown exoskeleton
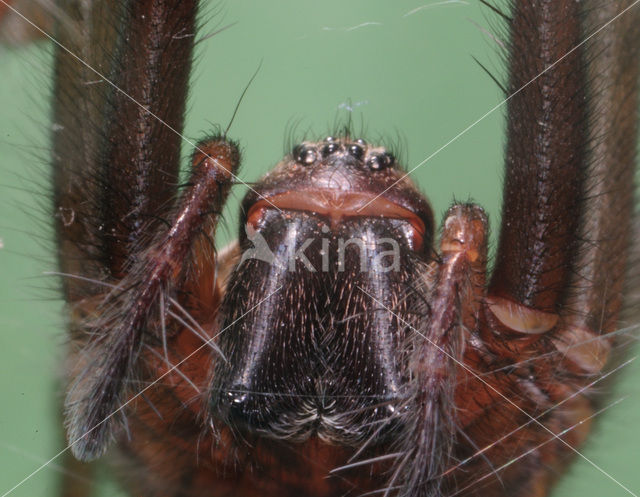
x,y
401,376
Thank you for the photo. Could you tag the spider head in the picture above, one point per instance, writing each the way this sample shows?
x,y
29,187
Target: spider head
x,y
339,179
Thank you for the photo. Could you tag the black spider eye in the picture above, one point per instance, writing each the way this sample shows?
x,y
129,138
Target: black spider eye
x,y
329,148
305,155
356,151
378,162
388,159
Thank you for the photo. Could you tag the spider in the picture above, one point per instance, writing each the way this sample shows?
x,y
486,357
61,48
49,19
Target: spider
x,y
354,137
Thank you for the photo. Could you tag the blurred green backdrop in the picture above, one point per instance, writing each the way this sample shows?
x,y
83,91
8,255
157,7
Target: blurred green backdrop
x,y
405,68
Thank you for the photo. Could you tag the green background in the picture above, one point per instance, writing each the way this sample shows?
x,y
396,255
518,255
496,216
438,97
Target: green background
x,y
405,75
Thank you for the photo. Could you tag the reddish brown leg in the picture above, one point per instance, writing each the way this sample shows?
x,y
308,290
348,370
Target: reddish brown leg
x,y
569,180
595,296
453,313
126,246
560,264
115,184
545,160
76,166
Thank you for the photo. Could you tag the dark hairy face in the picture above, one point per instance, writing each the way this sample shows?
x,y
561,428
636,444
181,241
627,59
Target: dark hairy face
x,y
323,234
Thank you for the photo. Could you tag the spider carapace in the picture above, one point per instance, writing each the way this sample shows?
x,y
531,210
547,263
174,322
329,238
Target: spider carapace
x,y
343,345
